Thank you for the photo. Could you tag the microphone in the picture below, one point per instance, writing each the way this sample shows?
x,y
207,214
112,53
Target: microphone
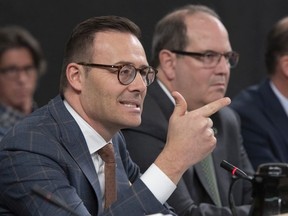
x,y
51,198
235,171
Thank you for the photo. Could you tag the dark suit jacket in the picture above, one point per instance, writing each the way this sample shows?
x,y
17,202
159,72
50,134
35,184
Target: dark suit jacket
x,y
48,149
191,197
264,124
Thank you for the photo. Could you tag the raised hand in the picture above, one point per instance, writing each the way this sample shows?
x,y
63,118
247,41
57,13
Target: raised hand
x,y
190,137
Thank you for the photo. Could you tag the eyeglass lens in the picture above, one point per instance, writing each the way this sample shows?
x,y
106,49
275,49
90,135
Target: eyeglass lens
x,y
212,59
128,73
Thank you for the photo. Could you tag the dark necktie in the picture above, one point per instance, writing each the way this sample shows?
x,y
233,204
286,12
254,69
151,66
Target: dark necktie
x,y
209,171
107,155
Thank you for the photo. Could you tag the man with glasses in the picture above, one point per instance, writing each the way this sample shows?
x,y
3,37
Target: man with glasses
x,y
21,64
72,150
193,56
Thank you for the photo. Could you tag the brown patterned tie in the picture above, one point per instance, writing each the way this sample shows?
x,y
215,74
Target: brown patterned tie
x,y
107,155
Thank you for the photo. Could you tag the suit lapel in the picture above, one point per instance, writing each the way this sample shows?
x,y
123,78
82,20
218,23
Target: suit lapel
x,y
74,142
204,181
219,153
274,110
157,93
222,177
123,182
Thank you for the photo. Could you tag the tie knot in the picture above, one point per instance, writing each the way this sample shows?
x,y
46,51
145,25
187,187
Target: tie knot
x,y
107,153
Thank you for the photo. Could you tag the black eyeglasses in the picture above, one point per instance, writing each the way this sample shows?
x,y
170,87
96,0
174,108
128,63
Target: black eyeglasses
x,y
127,73
210,58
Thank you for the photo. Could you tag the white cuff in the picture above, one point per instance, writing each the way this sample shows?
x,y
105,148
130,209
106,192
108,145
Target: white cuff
x,y
158,183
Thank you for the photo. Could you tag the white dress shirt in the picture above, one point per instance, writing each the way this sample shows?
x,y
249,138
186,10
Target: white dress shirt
x,y
158,183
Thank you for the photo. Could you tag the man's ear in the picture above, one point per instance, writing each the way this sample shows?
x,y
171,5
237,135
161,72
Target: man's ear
x,y
167,61
284,64
74,76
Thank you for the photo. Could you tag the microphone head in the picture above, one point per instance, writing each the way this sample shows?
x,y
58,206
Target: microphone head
x,y
224,164
235,171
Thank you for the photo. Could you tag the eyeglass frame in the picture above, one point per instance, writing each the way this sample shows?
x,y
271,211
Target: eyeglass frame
x,y
204,54
119,67
14,71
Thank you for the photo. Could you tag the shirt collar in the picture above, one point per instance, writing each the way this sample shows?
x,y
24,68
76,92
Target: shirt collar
x,y
93,139
283,100
166,91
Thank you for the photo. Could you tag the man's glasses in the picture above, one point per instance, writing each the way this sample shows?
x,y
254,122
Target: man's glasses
x,y
12,72
210,58
127,73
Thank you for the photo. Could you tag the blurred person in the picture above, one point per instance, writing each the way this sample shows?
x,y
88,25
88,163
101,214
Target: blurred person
x,y
263,108
193,56
21,64
66,147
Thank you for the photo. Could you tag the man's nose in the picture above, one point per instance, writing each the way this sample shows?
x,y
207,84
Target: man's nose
x,y
139,82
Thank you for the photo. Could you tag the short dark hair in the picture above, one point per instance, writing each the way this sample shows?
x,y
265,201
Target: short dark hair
x,y
170,31
277,44
16,37
78,47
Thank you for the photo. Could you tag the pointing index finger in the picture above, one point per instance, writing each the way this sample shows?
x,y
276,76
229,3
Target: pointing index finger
x,y
213,107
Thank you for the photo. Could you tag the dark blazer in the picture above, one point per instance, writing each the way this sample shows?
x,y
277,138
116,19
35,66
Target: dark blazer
x,y
48,149
191,197
264,124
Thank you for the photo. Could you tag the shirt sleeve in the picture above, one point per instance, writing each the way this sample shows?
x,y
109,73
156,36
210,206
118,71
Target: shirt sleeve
x,y
158,183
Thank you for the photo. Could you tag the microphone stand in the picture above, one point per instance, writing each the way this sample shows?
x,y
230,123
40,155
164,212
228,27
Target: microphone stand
x,y
236,175
231,198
